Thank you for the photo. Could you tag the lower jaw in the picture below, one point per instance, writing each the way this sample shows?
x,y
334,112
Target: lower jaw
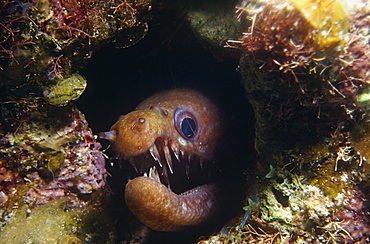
x,y
160,209
161,199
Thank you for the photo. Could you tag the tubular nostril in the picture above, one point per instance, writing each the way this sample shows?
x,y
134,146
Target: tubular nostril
x,y
109,135
163,112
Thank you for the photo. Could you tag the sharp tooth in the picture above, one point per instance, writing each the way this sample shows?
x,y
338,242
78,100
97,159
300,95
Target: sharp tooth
x,y
175,149
141,164
182,153
166,181
155,154
201,163
132,162
153,174
145,174
189,158
167,155
187,169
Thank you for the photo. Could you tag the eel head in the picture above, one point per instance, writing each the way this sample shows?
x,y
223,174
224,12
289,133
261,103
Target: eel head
x,y
171,139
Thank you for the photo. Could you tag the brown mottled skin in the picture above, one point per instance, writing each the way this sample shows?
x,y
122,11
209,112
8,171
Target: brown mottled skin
x,y
161,209
134,138
152,125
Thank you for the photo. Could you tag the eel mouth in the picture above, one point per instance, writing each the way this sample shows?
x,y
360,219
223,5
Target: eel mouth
x,y
170,140
176,168
173,189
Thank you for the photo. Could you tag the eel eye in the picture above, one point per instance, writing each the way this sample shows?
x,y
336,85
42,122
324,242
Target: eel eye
x,y
186,124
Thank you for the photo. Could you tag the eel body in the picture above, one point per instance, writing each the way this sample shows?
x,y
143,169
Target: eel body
x,y
171,139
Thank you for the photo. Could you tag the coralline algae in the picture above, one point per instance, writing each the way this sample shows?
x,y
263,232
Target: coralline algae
x,y
50,157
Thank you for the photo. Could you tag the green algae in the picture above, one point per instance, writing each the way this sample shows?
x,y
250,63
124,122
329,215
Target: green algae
x,y
45,161
271,173
252,205
97,227
360,135
290,204
55,161
329,19
213,22
50,167
15,201
363,98
310,154
215,28
55,222
40,141
49,223
65,90
331,186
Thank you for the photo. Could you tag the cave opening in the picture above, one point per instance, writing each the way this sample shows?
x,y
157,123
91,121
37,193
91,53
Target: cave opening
x,y
169,56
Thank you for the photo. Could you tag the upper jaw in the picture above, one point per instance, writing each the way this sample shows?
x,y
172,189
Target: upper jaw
x,y
175,167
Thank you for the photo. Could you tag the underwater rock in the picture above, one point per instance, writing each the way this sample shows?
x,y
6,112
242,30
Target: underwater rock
x,y
42,41
49,157
305,68
48,153
213,22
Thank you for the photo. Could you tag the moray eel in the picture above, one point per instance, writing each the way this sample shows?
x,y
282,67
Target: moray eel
x,y
171,139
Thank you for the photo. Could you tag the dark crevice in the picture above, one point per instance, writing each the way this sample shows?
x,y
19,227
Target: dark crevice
x,y
170,56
